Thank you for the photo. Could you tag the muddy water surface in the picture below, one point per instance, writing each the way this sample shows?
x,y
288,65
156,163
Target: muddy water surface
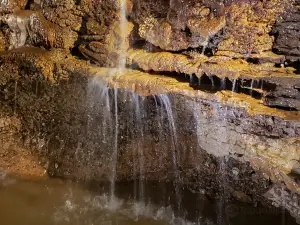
x,y
56,202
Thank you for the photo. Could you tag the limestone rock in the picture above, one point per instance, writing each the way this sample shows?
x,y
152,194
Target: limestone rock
x,y
280,88
7,6
181,26
2,41
249,24
30,27
112,49
287,32
165,61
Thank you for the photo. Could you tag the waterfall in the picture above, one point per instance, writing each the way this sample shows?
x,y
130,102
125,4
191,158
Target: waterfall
x,y
121,67
123,48
114,157
139,113
166,103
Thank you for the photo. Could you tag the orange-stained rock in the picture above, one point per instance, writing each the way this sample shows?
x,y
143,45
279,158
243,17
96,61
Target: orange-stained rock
x,y
30,27
7,6
248,25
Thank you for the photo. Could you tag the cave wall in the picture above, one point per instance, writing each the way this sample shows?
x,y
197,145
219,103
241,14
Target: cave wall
x,y
241,104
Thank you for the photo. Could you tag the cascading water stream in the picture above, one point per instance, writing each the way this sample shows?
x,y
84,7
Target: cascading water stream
x,y
139,113
166,103
121,66
123,49
114,157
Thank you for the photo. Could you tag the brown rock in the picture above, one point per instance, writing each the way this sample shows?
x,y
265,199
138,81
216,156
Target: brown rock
x,y
7,6
182,25
287,32
249,24
2,42
30,27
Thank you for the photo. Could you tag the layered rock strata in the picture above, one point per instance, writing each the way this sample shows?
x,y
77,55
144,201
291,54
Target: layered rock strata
x,y
64,94
240,107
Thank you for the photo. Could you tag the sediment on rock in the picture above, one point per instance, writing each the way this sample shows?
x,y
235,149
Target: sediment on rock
x,y
278,86
240,107
56,89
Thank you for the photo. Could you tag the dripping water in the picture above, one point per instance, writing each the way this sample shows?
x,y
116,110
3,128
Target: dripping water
x,y
252,86
166,103
234,85
212,82
139,113
196,113
167,106
205,44
122,57
121,67
223,83
114,157
222,177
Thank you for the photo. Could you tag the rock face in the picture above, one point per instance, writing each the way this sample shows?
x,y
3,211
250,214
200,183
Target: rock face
x,y
287,32
62,93
30,27
212,93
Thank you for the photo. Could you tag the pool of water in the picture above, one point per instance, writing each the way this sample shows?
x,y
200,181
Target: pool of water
x,y
58,202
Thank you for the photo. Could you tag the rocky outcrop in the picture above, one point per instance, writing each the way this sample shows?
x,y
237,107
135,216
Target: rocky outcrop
x,y
245,25
234,119
287,32
30,27
279,86
63,93
8,6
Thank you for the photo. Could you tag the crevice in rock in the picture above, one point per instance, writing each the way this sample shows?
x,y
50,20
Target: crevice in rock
x,y
256,88
213,84
75,52
29,3
295,64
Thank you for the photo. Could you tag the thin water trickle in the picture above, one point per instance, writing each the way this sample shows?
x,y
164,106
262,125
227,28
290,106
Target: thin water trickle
x,y
205,44
252,86
222,177
166,103
123,23
212,82
165,100
114,156
121,67
196,113
139,113
159,123
234,85
223,83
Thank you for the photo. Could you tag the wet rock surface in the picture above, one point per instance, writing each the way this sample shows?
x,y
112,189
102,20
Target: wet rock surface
x,y
235,118
57,92
287,33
